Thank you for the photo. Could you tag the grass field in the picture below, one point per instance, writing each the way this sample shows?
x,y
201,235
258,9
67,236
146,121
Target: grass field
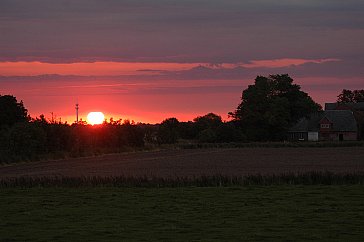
x,y
271,213
213,194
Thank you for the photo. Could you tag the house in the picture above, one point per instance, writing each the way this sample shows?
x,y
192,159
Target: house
x,y
307,129
338,125
358,110
330,125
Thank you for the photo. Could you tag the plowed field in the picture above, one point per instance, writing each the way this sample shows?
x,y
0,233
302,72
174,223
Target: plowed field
x,y
198,162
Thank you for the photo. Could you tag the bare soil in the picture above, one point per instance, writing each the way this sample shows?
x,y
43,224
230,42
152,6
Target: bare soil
x,y
199,162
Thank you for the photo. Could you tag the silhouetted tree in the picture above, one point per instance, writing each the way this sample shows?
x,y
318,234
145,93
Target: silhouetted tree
x,y
134,134
348,96
5,154
187,130
210,128
207,127
358,95
271,106
208,121
168,131
207,136
26,141
12,111
228,132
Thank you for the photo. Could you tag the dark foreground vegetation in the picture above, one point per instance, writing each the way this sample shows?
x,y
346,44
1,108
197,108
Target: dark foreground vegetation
x,y
40,139
252,213
308,178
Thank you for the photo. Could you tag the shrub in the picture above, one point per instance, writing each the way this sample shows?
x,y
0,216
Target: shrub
x,y
208,136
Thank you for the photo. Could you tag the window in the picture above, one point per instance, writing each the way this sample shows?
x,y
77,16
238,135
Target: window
x,y
325,126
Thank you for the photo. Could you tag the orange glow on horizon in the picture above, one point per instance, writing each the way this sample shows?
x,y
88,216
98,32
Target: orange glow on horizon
x,y
142,118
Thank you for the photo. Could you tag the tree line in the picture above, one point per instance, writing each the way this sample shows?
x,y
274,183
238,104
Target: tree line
x,y
268,108
40,139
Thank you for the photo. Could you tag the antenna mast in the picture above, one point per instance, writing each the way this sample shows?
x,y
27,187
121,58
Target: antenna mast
x,y
77,107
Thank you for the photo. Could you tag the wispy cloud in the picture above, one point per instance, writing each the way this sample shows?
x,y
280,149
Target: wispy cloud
x,y
278,63
35,68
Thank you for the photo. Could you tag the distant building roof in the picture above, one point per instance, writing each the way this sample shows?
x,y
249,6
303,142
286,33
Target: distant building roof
x,y
353,106
311,124
331,106
342,120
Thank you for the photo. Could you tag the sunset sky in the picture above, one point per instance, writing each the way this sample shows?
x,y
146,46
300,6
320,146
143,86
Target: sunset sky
x,y
149,60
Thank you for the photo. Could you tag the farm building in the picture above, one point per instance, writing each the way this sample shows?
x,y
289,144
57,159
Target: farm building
x,y
330,125
359,107
356,108
307,129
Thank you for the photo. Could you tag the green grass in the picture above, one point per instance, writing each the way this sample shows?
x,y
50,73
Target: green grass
x,y
271,213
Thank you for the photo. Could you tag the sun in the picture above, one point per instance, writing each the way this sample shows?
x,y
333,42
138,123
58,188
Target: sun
x,y
95,118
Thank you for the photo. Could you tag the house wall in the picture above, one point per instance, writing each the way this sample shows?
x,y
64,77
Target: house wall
x,y
335,136
313,136
322,136
359,116
297,136
350,136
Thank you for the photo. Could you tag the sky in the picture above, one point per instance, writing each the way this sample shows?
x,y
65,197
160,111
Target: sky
x,y
149,60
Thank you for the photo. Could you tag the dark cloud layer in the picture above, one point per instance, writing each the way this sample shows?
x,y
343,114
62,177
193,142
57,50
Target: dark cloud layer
x,y
179,31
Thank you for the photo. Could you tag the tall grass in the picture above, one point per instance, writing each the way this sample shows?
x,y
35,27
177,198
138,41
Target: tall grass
x,y
308,178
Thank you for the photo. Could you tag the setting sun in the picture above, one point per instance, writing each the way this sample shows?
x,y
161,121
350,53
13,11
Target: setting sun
x,y
95,118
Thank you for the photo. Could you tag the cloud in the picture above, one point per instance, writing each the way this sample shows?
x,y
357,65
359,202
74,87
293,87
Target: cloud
x,y
86,69
46,70
104,47
277,63
229,31
185,90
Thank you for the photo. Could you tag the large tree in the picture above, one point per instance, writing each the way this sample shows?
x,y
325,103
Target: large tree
x,y
12,111
271,106
348,96
168,131
208,121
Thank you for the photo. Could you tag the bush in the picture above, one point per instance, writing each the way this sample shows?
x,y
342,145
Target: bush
x,y
168,131
208,136
229,133
26,141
